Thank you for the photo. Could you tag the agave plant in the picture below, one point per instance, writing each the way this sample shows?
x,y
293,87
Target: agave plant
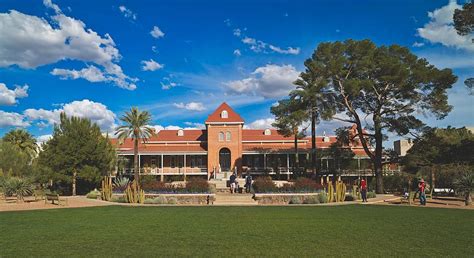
x,y
17,186
121,183
465,184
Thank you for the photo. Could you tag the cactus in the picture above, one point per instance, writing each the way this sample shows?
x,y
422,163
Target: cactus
x,y
330,191
340,191
107,188
133,193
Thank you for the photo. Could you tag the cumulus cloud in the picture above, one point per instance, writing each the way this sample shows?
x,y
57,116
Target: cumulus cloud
x,y
168,85
237,52
31,41
269,81
289,50
156,32
8,119
151,65
441,30
192,106
418,44
127,13
261,123
9,97
261,46
195,125
40,140
91,73
96,112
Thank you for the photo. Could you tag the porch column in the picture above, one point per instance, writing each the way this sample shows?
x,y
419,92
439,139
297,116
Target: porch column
x,y
184,167
162,176
139,165
288,166
264,162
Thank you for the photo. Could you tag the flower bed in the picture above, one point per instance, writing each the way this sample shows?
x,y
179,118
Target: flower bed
x,y
287,198
180,198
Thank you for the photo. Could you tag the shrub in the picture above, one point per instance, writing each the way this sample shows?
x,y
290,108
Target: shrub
x,y
172,200
120,184
371,195
264,185
350,198
295,200
322,198
17,186
311,200
148,201
155,186
119,199
160,200
303,184
93,194
197,185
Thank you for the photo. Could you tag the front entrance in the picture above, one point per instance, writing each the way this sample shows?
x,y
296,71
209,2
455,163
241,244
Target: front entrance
x,y
224,159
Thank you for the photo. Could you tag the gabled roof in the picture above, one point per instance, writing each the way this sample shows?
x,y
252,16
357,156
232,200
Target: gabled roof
x,y
232,116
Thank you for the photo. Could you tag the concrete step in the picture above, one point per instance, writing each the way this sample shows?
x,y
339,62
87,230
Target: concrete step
x,y
234,199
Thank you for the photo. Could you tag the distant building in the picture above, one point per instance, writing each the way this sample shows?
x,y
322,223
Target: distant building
x,y
402,146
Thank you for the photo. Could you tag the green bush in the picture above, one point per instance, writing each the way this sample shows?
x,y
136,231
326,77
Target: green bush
x,y
16,186
172,200
311,200
119,199
120,184
197,185
295,200
93,194
322,198
371,195
264,185
157,200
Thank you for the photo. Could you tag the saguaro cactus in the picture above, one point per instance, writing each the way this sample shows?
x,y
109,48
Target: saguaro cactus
x,y
106,188
133,193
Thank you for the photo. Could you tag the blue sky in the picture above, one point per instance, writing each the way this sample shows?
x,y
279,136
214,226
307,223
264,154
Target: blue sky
x,y
181,59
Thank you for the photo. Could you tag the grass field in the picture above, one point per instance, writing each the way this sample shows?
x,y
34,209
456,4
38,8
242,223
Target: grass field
x,y
350,230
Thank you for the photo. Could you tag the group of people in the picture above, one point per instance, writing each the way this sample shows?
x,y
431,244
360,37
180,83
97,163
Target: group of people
x,y
234,183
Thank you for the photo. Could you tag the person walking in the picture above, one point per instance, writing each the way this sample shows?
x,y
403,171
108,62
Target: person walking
x,y
363,190
421,189
232,179
248,183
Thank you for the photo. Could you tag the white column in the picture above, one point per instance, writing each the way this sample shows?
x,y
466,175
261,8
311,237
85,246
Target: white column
x,y
288,163
162,176
139,165
184,167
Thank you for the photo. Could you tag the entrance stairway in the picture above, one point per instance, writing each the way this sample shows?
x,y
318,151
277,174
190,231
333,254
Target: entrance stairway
x,y
237,199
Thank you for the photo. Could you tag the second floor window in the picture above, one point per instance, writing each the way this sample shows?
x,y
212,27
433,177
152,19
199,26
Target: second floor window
x,y
227,136
221,136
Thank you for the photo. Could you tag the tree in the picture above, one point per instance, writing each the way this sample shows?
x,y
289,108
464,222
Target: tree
x,y
339,151
310,92
465,185
289,117
464,25
382,86
13,161
464,19
23,140
136,128
77,153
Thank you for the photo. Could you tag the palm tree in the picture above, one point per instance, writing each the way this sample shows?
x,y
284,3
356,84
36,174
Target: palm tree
x,y
289,117
23,140
316,102
465,184
136,128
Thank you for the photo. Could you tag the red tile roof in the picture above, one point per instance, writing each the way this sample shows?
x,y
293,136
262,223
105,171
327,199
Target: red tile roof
x,y
232,117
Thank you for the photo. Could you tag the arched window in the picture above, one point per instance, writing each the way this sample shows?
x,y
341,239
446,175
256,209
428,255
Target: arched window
x,y
180,132
224,114
221,136
227,136
267,132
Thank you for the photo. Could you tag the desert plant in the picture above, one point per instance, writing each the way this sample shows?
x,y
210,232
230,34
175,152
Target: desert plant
x,y
120,184
133,193
311,200
119,199
322,198
464,184
295,200
106,193
264,185
17,186
172,200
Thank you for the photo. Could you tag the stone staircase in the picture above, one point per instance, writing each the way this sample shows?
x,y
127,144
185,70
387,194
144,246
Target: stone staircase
x,y
237,199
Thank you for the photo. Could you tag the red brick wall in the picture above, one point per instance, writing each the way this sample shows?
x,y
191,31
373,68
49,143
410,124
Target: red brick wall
x,y
234,145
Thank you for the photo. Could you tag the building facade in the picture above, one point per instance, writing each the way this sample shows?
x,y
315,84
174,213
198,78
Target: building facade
x,y
226,146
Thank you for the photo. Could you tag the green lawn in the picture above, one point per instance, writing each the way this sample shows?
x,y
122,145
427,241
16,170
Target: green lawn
x,y
350,230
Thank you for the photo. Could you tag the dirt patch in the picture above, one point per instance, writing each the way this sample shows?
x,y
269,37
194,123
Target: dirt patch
x,y
10,204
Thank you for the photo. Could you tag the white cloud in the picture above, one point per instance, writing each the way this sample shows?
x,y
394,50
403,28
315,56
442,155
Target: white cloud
x,y
30,41
156,32
168,85
237,52
127,13
192,106
418,44
269,81
261,123
151,65
289,50
49,4
440,29
9,97
12,119
195,125
91,73
237,32
96,112
40,140
260,46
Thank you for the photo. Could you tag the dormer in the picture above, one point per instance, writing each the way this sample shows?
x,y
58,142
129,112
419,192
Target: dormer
x,y
267,132
224,114
180,132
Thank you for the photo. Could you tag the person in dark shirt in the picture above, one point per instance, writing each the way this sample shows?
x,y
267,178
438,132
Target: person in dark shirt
x,y
232,183
248,183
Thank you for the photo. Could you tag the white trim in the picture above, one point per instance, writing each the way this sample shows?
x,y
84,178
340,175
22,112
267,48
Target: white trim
x,y
223,123
275,141
154,142
163,153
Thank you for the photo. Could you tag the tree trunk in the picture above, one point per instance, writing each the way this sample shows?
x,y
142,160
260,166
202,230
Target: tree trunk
x,y
135,160
313,142
297,163
74,177
378,157
468,198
